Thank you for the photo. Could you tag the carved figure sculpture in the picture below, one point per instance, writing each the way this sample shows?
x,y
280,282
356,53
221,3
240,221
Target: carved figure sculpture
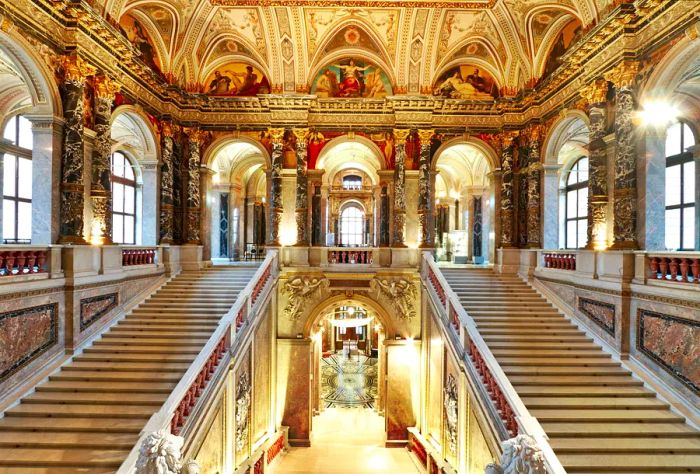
x,y
520,456
160,454
242,411
299,290
451,414
401,293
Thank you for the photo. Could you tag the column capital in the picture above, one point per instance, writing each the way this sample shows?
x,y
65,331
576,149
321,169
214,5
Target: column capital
x,y
535,132
168,129
596,92
301,134
624,74
506,138
401,134
106,87
76,69
195,134
277,134
425,136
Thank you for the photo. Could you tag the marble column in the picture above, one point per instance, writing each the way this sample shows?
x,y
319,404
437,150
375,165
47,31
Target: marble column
x,y
507,200
47,134
101,184
534,188
194,198
206,215
625,190
551,207
167,208
149,208
76,70
302,188
596,96
425,191
400,136
275,202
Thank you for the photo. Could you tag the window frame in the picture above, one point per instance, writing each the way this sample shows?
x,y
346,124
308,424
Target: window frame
x,y
18,152
681,159
575,187
125,182
342,232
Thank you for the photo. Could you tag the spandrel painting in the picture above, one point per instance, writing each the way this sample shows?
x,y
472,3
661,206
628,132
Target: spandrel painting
x,y
568,36
236,79
136,33
351,78
466,82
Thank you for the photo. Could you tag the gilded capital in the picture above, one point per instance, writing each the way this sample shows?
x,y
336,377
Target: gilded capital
x,y
76,69
106,87
401,134
507,138
624,74
167,128
195,135
425,136
535,132
596,92
277,134
301,134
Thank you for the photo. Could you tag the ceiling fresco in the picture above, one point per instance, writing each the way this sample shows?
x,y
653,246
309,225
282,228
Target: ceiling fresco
x,y
412,46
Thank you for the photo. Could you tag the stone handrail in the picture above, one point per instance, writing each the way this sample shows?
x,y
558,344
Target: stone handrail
x,y
513,417
174,415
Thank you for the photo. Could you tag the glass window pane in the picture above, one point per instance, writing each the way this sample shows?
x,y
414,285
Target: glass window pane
x,y
571,204
25,178
689,182
129,194
24,220
128,229
26,139
673,185
118,228
583,170
689,228
688,137
11,130
9,171
573,176
118,197
118,164
673,229
8,219
128,170
673,140
583,202
582,232
571,235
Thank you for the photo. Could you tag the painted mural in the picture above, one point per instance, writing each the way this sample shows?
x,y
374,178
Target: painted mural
x,y
351,78
466,82
236,79
567,37
136,33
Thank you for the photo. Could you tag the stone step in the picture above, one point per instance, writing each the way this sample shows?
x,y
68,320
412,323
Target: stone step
x,y
626,445
174,343
589,391
562,370
642,415
584,403
28,440
105,366
149,333
83,458
563,361
75,424
95,376
144,399
575,380
135,357
83,386
112,347
51,410
622,462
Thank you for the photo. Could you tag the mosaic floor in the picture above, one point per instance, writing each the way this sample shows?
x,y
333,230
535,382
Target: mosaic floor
x,y
348,382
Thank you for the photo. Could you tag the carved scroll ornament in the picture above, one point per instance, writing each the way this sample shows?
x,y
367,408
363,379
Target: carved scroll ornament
x,y
400,292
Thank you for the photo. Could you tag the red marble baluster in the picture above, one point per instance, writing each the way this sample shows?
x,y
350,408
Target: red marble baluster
x,y
684,270
9,263
663,266
695,267
2,260
21,260
674,269
573,262
31,260
654,267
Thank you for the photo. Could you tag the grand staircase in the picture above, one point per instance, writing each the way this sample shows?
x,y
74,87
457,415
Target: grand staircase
x,y
87,416
598,416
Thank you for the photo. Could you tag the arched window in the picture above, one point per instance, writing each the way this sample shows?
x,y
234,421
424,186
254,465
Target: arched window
x,y
352,182
123,200
680,188
17,181
352,226
576,193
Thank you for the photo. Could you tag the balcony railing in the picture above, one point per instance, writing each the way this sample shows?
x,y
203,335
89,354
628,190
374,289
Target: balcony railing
x,y
139,256
352,255
23,261
682,268
560,260
507,409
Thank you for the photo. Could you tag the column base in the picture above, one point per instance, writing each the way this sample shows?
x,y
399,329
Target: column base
x,y
625,245
72,240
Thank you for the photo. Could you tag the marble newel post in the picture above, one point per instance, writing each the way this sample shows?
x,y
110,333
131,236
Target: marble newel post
x,y
596,96
76,71
275,208
194,198
507,204
101,185
167,208
400,136
302,195
625,188
425,192
534,188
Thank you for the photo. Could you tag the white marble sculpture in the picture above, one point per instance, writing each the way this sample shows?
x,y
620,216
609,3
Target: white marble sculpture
x,y
520,456
161,454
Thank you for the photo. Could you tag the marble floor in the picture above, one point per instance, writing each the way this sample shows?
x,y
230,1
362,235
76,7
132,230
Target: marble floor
x,y
348,382
347,441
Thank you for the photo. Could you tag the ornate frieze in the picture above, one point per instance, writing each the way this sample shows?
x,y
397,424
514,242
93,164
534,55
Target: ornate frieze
x,y
400,136
302,191
301,291
93,308
425,190
603,314
399,293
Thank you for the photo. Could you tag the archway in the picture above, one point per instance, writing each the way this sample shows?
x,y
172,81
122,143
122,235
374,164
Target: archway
x,y
236,199
464,199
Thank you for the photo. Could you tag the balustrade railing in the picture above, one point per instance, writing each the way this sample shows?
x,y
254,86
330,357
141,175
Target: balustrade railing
x,y
350,256
560,261
176,412
512,415
23,262
679,269
139,256
275,448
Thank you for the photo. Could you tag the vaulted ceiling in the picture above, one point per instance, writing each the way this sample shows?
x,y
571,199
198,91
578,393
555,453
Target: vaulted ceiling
x,y
415,42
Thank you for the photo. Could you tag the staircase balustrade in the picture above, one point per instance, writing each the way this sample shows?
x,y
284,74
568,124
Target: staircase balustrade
x,y
560,261
508,410
177,413
684,268
275,448
23,261
139,256
350,256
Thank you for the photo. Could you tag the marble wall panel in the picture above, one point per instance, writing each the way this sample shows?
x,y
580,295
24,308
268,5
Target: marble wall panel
x,y
402,390
25,334
261,377
294,388
478,453
210,455
603,314
412,231
435,382
92,309
242,405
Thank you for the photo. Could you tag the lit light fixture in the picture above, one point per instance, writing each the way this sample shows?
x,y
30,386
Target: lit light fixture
x,y
215,179
658,113
96,237
351,311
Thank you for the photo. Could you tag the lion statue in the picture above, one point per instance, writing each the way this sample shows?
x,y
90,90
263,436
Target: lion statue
x,y
160,454
520,456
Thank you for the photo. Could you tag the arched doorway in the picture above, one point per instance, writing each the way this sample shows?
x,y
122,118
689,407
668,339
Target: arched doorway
x,y
464,203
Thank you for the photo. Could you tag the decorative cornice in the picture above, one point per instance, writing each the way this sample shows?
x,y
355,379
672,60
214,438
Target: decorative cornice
x,y
596,92
76,69
624,74
106,87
